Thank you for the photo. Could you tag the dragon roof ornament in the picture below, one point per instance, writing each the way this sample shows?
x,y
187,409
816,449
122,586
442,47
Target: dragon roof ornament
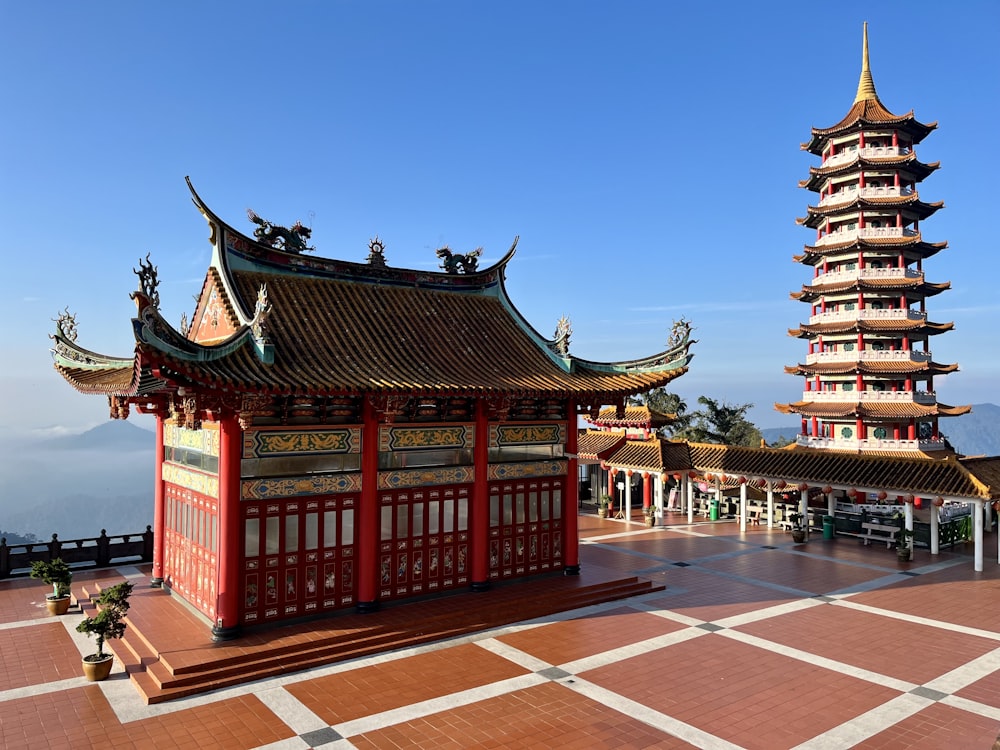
x,y
148,281
289,239
564,329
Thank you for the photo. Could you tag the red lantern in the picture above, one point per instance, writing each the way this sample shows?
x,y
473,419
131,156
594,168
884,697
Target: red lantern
x,y
882,495
803,486
917,502
852,492
743,480
628,473
827,490
692,474
677,477
723,478
909,500
938,501
780,484
709,477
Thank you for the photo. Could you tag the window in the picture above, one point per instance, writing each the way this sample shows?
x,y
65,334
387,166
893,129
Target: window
x,y
847,432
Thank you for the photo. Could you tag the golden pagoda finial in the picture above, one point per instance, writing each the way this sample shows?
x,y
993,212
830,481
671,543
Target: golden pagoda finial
x,y
866,86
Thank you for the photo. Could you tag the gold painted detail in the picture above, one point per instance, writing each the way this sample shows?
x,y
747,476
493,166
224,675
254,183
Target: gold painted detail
x,y
528,469
269,489
408,438
866,85
527,434
388,480
206,484
205,440
261,443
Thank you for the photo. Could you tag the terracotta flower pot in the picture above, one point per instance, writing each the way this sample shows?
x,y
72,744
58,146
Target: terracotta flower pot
x,y
95,669
57,606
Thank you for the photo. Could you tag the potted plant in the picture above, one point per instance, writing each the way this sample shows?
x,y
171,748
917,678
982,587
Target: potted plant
x,y
904,545
57,574
798,530
602,505
650,512
107,623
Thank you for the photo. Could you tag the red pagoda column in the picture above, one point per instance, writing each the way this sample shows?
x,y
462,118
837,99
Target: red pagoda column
x,y
481,500
227,604
571,534
159,515
368,515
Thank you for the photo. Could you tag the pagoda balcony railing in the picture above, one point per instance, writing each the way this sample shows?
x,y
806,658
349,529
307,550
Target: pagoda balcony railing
x,y
846,316
832,277
869,355
869,152
848,444
845,196
917,397
849,235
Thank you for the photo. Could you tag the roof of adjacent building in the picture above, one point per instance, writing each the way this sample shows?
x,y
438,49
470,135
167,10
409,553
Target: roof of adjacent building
x,y
304,324
640,416
950,475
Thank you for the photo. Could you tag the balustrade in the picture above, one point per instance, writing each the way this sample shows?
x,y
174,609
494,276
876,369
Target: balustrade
x,y
80,554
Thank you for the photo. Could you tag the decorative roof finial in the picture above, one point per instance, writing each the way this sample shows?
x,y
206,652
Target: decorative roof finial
x,y
866,86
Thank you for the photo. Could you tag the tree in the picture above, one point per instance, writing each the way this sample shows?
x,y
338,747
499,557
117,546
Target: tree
x,y
661,401
721,422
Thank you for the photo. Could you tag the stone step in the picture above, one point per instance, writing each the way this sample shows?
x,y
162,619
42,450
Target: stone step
x,y
292,649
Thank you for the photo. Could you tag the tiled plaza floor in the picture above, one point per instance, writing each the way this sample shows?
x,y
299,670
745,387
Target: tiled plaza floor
x,y
754,643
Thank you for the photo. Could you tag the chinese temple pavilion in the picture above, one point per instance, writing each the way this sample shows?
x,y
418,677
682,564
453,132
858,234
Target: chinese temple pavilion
x,y
869,372
334,434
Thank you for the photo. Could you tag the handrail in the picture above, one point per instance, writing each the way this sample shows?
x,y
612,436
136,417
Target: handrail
x,y
79,554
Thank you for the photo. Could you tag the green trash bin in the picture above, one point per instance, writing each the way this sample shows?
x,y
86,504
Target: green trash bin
x,y
828,527
713,510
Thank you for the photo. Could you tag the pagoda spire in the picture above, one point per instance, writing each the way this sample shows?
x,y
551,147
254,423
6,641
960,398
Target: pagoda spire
x,y
866,86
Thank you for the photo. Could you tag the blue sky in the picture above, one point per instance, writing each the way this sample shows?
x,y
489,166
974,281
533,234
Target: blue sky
x,y
647,153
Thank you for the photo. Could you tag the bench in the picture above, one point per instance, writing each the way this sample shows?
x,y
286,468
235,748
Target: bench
x,y
878,532
753,516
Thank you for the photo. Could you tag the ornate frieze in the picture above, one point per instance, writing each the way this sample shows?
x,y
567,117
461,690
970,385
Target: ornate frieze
x,y
527,434
205,440
327,484
389,480
266,443
206,484
528,469
413,438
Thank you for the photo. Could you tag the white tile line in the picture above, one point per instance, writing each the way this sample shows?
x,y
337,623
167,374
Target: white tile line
x,y
868,724
290,710
514,655
437,705
967,673
973,707
663,722
940,624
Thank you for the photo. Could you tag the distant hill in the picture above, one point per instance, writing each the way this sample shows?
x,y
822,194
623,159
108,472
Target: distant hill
x,y
972,434
115,434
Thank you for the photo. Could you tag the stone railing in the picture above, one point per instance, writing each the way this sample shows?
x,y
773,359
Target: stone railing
x,y
869,355
869,152
79,554
849,444
849,235
917,397
831,277
845,196
869,313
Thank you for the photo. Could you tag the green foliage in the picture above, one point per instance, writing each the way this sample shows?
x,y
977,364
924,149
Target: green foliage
x,y
661,401
108,622
55,573
721,422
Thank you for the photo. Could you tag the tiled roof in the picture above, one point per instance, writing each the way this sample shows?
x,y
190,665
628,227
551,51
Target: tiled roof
x,y
337,327
818,214
913,243
920,476
597,445
875,410
908,160
634,416
640,455
873,367
866,325
869,112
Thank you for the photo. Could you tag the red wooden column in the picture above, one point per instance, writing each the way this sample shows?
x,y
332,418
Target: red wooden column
x,y
368,515
571,532
481,500
647,490
159,510
227,603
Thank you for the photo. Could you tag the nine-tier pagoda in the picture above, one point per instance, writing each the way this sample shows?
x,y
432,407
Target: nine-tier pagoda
x,y
869,373
334,434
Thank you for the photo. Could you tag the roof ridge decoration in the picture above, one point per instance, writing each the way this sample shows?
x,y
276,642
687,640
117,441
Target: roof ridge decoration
x,y
458,262
259,327
148,280
291,239
564,329
866,84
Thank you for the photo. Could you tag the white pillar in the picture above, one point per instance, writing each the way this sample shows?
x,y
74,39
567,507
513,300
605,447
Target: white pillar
x,y
977,534
935,530
658,497
804,509
770,506
690,500
908,523
743,507
831,505
988,512
718,497
628,497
